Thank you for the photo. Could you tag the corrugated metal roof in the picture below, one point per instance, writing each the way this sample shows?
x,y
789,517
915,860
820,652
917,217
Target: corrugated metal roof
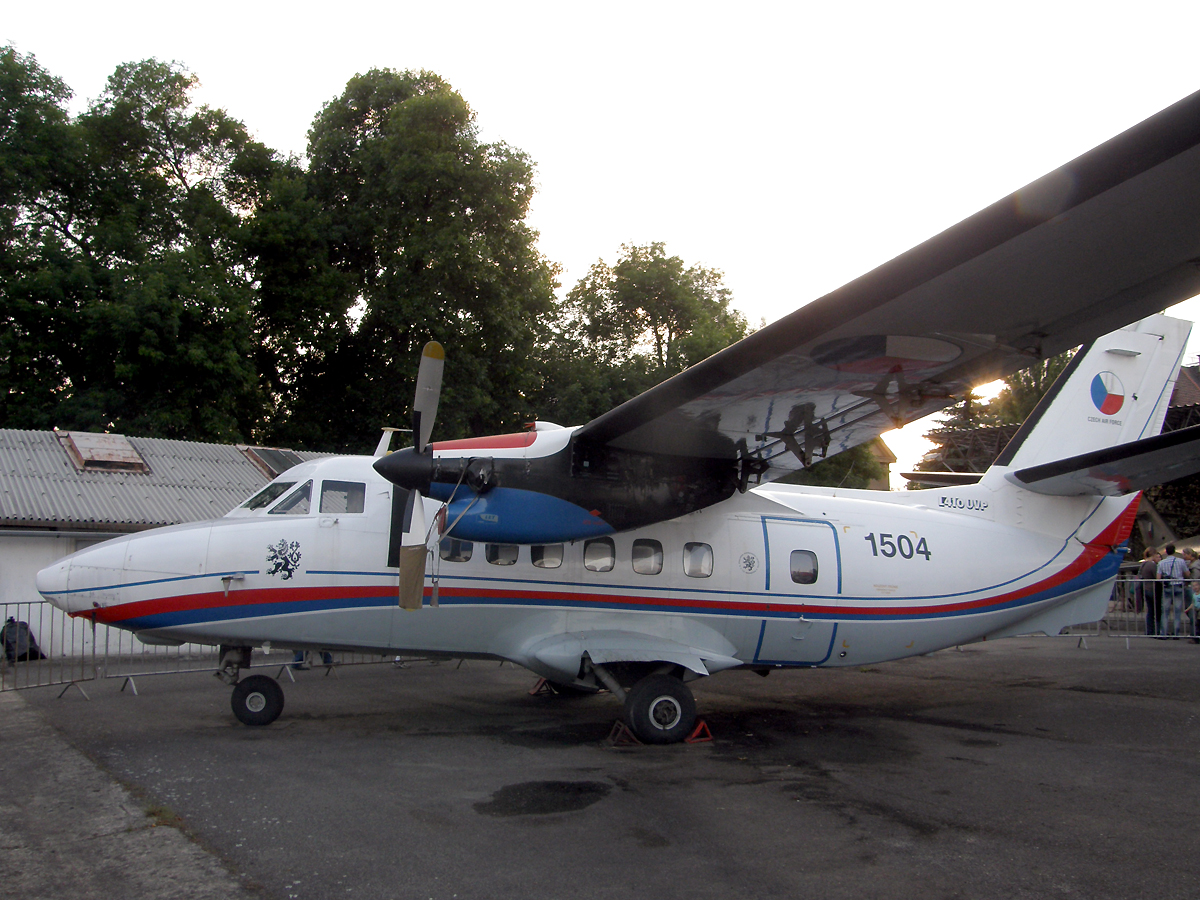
x,y
187,482
1187,387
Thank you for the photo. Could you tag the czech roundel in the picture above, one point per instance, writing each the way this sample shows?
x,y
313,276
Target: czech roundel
x,y
1108,393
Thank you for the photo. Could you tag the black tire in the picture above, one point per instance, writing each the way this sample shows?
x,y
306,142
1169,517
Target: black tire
x,y
257,700
660,709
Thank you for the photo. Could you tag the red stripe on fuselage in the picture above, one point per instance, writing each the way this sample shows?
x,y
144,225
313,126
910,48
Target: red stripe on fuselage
x,y
1114,534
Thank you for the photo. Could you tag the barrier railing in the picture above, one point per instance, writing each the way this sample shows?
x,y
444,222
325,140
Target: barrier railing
x,y
40,646
1146,608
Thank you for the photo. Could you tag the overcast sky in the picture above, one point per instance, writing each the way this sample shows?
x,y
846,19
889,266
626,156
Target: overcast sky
x,y
792,146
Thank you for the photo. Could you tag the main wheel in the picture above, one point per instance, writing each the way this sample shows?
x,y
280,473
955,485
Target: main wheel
x,y
660,709
257,700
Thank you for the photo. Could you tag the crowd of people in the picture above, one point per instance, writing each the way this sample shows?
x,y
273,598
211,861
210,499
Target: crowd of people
x,y
1166,589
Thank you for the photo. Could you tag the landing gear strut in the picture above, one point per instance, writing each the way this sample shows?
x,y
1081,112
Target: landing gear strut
x,y
257,700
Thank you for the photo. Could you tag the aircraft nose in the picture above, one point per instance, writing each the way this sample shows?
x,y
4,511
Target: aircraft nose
x,y
407,468
51,582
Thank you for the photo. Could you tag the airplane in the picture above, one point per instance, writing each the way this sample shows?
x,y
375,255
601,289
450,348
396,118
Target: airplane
x,y
655,545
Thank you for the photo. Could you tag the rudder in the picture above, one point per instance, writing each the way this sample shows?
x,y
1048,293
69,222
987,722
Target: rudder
x,y
1114,391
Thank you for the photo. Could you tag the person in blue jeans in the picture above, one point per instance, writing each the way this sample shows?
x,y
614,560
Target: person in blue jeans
x,y
1173,572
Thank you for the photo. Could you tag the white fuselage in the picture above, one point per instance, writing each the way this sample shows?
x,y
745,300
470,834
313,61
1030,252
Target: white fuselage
x,y
779,576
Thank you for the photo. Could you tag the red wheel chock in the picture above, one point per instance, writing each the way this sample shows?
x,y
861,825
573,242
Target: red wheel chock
x,y
621,736
542,688
700,734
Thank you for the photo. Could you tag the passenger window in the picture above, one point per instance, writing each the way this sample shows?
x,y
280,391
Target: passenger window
x,y
546,556
267,494
697,560
343,496
454,550
500,554
647,557
804,567
599,555
295,503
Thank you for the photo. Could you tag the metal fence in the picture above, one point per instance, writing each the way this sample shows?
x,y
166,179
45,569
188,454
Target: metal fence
x,y
42,646
1146,609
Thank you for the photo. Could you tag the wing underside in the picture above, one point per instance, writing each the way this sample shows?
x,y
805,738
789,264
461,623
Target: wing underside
x,y
1108,238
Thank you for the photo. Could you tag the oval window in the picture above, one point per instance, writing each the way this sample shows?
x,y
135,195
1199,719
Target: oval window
x,y
647,557
804,567
501,554
546,556
454,550
697,560
599,555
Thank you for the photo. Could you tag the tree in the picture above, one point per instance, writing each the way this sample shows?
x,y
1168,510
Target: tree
x,y
625,328
425,227
123,271
971,434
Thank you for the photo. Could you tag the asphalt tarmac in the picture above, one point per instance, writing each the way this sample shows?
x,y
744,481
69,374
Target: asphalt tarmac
x,y
1020,768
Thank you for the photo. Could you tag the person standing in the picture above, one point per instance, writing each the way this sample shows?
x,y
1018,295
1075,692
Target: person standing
x,y
1147,590
1193,561
1173,572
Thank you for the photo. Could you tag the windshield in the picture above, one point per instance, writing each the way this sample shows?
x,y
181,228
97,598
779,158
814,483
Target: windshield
x,y
267,494
295,503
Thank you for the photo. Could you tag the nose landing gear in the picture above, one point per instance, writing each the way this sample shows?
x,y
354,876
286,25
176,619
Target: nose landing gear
x,y
257,700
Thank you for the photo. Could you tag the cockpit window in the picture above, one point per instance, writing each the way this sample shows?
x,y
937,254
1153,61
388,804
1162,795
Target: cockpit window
x,y
267,495
342,496
295,503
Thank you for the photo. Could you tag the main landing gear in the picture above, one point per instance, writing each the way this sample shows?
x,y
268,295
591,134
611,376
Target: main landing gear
x,y
257,699
659,707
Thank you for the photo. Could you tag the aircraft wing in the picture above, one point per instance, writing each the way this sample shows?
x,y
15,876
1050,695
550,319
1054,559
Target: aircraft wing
x,y
1117,470
1107,239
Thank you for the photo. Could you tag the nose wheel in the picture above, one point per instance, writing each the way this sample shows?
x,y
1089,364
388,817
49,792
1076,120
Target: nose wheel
x,y
257,700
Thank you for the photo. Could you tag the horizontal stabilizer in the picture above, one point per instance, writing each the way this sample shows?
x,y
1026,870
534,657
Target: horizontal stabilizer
x,y
942,479
1117,470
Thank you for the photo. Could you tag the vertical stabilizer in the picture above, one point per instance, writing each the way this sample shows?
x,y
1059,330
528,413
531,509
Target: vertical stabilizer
x,y
1114,391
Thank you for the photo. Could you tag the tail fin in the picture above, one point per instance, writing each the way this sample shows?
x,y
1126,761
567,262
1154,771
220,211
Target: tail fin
x,y
1114,391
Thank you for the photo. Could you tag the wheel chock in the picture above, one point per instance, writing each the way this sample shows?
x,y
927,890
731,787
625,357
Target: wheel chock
x,y
700,734
621,736
542,688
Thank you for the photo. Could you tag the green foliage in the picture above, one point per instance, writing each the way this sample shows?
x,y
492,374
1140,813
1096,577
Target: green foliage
x,y
624,328
124,292
853,468
424,230
163,274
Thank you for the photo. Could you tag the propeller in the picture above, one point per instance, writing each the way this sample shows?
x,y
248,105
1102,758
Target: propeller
x,y
429,389
410,560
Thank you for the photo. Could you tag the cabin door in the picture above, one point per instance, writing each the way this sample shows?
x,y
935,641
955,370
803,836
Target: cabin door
x,y
803,580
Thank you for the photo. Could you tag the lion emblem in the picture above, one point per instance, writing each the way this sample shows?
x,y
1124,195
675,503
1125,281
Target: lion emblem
x,y
284,558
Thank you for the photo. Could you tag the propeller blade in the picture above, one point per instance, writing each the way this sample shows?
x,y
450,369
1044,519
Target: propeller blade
x,y
429,389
